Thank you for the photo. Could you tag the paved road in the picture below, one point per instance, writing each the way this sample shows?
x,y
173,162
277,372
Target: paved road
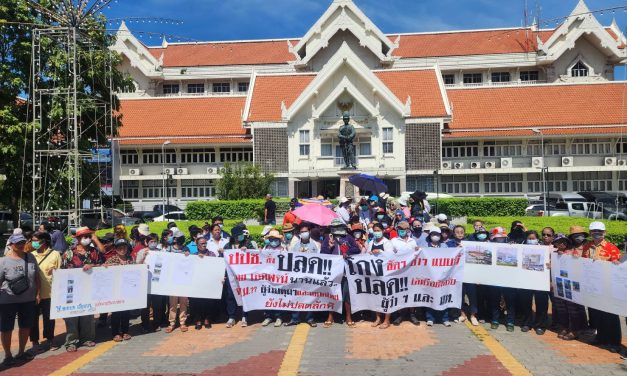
x,y
339,350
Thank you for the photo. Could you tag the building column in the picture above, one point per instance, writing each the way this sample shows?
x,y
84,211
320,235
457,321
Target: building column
x,y
402,184
314,187
291,187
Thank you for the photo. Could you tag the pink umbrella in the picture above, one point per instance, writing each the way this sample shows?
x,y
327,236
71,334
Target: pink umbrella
x,y
315,213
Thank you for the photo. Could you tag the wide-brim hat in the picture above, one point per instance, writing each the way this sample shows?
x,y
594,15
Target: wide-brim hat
x,y
418,195
561,238
274,234
288,227
82,231
578,230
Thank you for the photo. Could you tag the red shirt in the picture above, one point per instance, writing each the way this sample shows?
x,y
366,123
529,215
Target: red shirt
x,y
289,217
72,259
604,251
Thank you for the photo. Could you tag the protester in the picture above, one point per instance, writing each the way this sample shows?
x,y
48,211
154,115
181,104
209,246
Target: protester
x,y
358,232
540,298
289,217
434,239
443,221
269,211
275,243
365,216
343,211
120,319
419,206
499,235
48,260
178,302
218,220
167,240
303,244
288,235
156,302
216,243
240,239
202,308
19,294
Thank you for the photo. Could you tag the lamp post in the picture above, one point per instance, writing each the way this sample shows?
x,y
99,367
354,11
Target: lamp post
x,y
437,189
163,174
544,185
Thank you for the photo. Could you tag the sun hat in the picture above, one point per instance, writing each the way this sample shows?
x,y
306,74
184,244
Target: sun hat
x,y
597,226
288,227
435,229
561,238
498,232
274,234
578,230
337,223
343,200
143,229
82,231
266,230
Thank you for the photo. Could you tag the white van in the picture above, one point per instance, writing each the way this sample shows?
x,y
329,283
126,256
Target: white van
x,y
555,197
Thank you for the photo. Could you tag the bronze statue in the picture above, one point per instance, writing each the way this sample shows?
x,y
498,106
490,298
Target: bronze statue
x,y
347,135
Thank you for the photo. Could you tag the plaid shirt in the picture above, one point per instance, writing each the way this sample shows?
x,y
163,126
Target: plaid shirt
x,y
605,251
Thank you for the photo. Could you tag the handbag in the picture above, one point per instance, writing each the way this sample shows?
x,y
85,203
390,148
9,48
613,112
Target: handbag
x,y
20,285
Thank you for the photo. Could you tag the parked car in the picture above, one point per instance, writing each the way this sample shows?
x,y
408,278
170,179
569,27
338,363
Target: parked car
x,y
112,217
6,222
537,210
157,210
611,204
576,209
171,216
555,197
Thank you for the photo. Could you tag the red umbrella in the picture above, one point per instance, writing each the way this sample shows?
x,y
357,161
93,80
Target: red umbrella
x,y
315,213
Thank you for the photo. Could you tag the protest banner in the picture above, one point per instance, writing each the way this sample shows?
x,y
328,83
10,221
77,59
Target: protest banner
x,y
507,265
100,290
174,274
286,281
431,278
595,284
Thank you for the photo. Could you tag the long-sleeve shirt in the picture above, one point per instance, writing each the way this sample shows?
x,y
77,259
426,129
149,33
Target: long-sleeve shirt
x,y
344,245
384,245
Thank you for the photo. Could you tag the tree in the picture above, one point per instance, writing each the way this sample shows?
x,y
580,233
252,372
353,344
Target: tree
x,y
243,180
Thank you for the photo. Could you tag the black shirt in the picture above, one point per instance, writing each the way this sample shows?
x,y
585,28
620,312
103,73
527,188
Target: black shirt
x,y
271,208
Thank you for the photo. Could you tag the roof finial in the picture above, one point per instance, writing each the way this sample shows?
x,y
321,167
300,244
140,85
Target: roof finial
x,y
581,8
164,43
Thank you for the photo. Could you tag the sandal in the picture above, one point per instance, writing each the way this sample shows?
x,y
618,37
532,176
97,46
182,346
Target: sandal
x,y
327,324
562,334
117,338
70,348
9,361
569,337
376,323
385,325
184,328
169,329
351,324
24,357
89,344
126,336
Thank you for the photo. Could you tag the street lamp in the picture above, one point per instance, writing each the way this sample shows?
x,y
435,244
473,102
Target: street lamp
x,y
544,185
163,174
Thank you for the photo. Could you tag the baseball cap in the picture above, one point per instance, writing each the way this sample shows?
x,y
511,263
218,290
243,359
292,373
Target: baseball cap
x,y
120,242
441,217
435,229
598,226
343,200
178,234
143,229
16,238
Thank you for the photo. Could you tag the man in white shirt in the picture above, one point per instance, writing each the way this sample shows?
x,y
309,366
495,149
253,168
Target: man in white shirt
x,y
342,210
404,242
303,243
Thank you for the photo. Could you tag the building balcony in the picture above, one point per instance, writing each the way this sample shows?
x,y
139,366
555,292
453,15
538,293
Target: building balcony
x,y
495,84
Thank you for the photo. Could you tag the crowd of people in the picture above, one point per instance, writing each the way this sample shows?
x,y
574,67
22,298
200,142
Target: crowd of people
x,y
368,225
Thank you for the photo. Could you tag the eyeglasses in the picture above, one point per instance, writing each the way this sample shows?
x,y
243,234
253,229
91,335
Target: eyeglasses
x,y
202,243
547,235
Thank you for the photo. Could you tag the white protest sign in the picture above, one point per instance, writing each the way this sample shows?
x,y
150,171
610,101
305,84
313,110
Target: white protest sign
x,y
174,274
507,265
99,290
273,280
432,277
595,284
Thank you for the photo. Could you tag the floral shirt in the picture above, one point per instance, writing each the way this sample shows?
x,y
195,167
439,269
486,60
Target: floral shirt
x,y
72,259
115,260
604,251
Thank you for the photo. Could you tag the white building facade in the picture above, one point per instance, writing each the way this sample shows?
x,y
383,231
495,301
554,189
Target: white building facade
x,y
474,112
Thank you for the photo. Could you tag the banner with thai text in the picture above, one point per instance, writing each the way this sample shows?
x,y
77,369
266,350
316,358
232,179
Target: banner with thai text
x,y
595,284
174,274
507,265
286,281
431,277
99,290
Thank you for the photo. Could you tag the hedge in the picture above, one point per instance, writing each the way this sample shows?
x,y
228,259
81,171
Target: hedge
x,y
249,209
465,207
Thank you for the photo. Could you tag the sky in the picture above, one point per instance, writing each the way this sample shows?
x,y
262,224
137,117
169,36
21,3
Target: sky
x,y
212,20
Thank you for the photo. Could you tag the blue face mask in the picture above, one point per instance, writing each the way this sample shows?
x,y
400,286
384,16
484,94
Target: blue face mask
x,y
385,225
402,233
482,236
36,245
289,236
170,240
380,217
275,243
378,234
241,238
532,241
266,241
364,208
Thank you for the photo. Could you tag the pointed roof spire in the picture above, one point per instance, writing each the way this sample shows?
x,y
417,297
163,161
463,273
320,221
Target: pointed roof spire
x,y
164,43
123,27
580,8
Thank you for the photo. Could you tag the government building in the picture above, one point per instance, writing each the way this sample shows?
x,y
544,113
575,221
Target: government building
x,y
476,112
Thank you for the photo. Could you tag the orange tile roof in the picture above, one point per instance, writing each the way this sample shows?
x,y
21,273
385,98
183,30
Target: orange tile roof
x,y
171,117
224,53
270,91
187,141
423,88
546,131
538,106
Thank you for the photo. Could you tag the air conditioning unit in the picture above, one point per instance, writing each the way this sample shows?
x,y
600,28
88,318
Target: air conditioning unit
x,y
169,171
490,165
134,172
506,162
223,169
182,171
568,161
211,170
537,162
459,165
622,162
475,165
609,161
447,165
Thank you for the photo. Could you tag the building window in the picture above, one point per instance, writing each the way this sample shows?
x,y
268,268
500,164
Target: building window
x,y
195,88
529,76
304,143
473,78
592,181
326,147
221,87
388,140
280,188
130,189
153,156
591,146
579,70
129,157
556,182
460,184
198,156
236,155
621,148
365,148
194,189
501,77
460,150
449,79
505,183
242,87
154,189
170,89
502,148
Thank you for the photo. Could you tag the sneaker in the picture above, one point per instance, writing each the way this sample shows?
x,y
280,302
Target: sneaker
x,y
482,321
414,320
462,318
540,331
397,321
510,327
278,323
473,321
266,322
291,323
230,323
244,322
447,323
429,323
495,325
456,321
524,329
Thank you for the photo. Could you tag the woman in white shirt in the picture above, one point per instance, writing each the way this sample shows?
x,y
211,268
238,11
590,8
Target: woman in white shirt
x,y
379,246
216,242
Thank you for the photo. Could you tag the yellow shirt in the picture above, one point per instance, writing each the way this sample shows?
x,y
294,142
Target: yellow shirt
x,y
52,262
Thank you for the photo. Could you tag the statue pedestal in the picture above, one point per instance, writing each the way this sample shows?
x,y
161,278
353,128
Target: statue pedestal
x,y
346,188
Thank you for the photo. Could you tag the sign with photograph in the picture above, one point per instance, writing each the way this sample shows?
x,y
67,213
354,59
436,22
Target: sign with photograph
x,y
100,290
507,265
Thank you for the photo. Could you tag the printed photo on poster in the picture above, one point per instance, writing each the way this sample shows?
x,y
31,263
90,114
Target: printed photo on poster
x,y
568,292
576,286
533,260
507,257
479,255
560,287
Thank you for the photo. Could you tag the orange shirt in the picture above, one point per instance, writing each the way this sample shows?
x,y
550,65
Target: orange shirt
x,y
289,217
604,251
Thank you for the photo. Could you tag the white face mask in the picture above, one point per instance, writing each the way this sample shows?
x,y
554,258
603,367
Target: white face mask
x,y
85,242
435,238
532,241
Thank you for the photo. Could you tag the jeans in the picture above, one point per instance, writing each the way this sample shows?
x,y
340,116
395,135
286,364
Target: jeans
x,y
79,329
470,290
274,315
120,322
44,309
231,303
541,298
296,316
510,303
432,315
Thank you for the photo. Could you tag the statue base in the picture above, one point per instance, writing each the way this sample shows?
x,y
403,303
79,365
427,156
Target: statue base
x,y
346,188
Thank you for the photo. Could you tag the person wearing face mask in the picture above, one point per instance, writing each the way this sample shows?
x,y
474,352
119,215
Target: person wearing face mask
x,y
446,234
434,240
120,319
240,239
379,246
418,234
275,243
541,298
156,302
361,238
499,235
48,261
303,244
202,309
468,289
607,324
365,216
340,242
484,311
388,231
399,216
288,236
419,206
166,241
180,302
404,243
289,217
85,254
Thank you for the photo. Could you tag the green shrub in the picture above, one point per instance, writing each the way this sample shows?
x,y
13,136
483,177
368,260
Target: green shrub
x,y
465,207
243,180
236,209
